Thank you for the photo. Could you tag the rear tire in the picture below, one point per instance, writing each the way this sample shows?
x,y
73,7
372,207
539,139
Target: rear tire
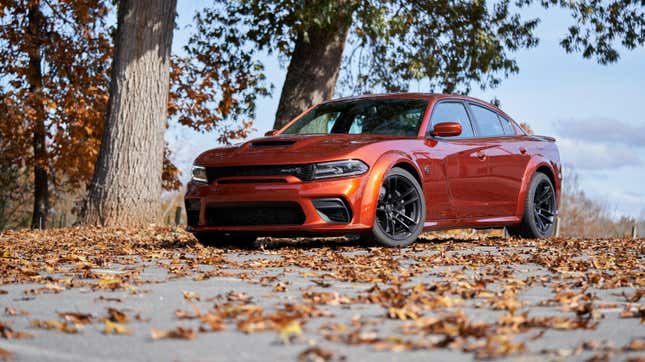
x,y
538,221
220,239
400,212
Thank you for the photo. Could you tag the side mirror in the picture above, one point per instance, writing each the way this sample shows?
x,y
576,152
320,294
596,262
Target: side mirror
x,y
272,132
446,129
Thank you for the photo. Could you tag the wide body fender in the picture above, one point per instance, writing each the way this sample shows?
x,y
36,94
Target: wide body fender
x,y
376,176
536,163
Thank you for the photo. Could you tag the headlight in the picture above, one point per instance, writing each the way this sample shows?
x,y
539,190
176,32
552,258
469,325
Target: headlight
x,y
339,168
199,174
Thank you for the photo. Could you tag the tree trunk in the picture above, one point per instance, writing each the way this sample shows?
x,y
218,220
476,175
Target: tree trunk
x,y
313,71
35,79
126,186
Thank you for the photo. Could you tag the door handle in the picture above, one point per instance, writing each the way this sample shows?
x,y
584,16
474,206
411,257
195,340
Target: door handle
x,y
481,156
523,150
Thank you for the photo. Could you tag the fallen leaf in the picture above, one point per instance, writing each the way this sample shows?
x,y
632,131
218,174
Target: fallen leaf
x,y
177,333
55,325
115,328
5,355
288,330
7,332
117,316
318,354
76,318
190,296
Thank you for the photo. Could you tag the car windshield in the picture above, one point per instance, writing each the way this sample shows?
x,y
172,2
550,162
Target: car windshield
x,y
400,117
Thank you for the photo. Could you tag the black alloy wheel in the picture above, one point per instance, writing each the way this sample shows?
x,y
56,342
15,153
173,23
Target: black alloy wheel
x,y
400,212
540,210
544,206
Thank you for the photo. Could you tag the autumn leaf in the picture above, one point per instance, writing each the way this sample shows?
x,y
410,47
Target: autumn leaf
x,y
318,354
190,296
5,355
288,330
76,318
404,313
177,333
7,332
117,316
55,325
115,328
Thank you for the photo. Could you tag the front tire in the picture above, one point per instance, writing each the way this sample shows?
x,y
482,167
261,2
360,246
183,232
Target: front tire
x,y
400,212
540,210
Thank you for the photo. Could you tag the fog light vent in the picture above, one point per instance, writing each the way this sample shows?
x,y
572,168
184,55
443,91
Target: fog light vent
x,y
334,210
192,212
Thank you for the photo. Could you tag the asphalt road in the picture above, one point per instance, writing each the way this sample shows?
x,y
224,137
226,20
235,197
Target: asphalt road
x,y
440,300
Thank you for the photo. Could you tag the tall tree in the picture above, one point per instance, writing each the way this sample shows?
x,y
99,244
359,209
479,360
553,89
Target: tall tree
x,y
127,182
448,44
53,57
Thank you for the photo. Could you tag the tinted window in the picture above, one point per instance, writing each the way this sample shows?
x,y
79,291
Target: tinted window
x,y
487,122
363,116
452,112
506,124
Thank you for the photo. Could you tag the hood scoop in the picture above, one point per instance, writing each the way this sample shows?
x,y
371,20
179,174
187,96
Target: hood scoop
x,y
272,143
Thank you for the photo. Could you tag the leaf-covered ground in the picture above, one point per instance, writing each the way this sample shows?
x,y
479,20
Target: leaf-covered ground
x,y
91,294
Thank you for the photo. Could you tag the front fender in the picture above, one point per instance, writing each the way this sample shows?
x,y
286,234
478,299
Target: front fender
x,y
376,176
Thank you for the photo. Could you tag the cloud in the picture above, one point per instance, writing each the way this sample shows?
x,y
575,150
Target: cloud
x,y
595,156
603,130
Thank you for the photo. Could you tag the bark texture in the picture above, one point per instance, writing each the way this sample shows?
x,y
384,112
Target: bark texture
x,y
312,72
35,79
126,186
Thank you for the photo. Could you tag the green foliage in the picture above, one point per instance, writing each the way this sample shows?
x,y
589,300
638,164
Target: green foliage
x,y
598,26
450,45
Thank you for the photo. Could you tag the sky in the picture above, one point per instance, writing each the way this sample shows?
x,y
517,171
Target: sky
x,y
596,112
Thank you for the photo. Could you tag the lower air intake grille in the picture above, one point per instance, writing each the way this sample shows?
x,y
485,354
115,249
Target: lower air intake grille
x,y
255,214
333,210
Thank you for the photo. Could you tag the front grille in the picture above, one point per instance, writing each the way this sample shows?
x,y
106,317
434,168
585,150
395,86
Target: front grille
x,y
286,213
303,172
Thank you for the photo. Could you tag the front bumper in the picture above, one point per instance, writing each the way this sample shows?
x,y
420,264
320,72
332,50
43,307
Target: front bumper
x,y
265,191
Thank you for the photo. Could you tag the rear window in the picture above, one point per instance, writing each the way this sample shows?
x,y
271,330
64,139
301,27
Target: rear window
x,y
487,121
506,124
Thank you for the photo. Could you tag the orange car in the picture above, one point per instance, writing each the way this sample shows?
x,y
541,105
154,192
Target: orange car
x,y
385,167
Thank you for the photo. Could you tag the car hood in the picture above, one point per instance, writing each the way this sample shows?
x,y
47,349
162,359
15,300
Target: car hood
x,y
290,149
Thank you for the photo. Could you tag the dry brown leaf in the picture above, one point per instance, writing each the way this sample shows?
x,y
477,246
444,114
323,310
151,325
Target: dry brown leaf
x,y
117,316
190,296
55,325
177,333
7,332
318,354
76,318
115,328
5,355
280,287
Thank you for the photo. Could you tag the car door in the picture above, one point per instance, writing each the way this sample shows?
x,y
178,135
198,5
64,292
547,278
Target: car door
x,y
457,169
506,158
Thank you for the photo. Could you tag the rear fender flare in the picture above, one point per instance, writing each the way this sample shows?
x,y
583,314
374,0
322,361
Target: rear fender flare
x,y
532,167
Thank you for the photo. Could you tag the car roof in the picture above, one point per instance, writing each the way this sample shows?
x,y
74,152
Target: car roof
x,y
427,96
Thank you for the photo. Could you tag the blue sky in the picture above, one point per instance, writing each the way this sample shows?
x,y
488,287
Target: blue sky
x,y
597,113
